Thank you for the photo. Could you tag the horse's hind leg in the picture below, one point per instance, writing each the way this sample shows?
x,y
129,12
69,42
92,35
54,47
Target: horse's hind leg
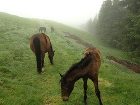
x,y
85,90
42,60
97,91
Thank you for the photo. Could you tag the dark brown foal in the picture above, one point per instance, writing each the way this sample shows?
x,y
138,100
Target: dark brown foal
x,y
88,67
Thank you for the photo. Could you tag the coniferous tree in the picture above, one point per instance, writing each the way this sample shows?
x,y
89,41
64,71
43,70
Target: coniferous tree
x,y
118,24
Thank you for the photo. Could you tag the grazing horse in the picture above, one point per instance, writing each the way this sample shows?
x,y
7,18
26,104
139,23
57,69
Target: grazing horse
x,y
40,44
42,29
52,29
86,68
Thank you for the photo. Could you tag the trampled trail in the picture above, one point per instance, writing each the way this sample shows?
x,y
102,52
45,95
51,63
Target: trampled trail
x,y
129,65
77,39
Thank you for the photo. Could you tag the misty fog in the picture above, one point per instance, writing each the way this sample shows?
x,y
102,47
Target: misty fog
x,y
72,12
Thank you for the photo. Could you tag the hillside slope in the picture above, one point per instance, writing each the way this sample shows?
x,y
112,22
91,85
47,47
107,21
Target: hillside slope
x,y
21,85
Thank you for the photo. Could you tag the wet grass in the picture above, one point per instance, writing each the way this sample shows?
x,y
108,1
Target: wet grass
x,y
21,85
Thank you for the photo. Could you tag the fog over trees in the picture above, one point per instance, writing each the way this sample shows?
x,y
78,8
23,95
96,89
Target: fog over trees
x,y
118,25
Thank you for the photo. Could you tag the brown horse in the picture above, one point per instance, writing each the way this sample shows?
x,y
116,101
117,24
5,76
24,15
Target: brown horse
x,y
52,29
42,29
40,44
86,68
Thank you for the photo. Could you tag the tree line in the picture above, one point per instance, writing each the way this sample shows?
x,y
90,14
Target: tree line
x,y
118,24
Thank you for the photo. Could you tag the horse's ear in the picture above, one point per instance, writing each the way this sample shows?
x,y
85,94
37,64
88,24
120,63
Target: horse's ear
x,y
61,75
89,53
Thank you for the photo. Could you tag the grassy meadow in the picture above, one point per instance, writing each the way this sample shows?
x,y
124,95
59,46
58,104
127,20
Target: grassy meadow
x,y
20,84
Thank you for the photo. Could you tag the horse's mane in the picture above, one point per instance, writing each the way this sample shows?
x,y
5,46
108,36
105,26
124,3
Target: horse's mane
x,y
84,62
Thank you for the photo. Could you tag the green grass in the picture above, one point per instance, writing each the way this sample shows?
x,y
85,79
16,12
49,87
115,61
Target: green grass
x,y
21,85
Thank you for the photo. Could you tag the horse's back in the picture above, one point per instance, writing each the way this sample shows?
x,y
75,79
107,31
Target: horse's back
x,y
44,42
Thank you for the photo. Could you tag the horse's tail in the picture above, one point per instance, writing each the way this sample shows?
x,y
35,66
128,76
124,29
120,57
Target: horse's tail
x,y
37,47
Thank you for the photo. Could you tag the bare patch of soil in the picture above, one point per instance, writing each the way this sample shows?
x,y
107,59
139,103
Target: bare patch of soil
x,y
129,65
77,39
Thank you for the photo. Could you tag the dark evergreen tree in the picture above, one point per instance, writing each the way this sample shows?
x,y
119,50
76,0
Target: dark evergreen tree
x,y
118,24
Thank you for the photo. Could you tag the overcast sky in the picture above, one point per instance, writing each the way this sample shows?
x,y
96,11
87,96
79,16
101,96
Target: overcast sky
x,y
66,11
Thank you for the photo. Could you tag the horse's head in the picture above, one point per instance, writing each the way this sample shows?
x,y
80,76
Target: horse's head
x,y
51,54
66,88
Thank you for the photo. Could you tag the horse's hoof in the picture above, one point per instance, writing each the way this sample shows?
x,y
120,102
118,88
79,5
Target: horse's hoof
x,y
43,69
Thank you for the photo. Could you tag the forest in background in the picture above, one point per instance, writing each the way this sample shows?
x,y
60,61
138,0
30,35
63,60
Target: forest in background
x,y
118,25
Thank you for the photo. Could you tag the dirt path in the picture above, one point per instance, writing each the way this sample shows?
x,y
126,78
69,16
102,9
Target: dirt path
x,y
129,65
77,39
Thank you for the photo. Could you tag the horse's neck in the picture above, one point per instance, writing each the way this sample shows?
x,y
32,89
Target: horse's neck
x,y
75,75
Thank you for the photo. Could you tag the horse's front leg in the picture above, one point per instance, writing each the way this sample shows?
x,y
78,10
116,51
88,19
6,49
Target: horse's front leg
x,y
97,91
85,90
